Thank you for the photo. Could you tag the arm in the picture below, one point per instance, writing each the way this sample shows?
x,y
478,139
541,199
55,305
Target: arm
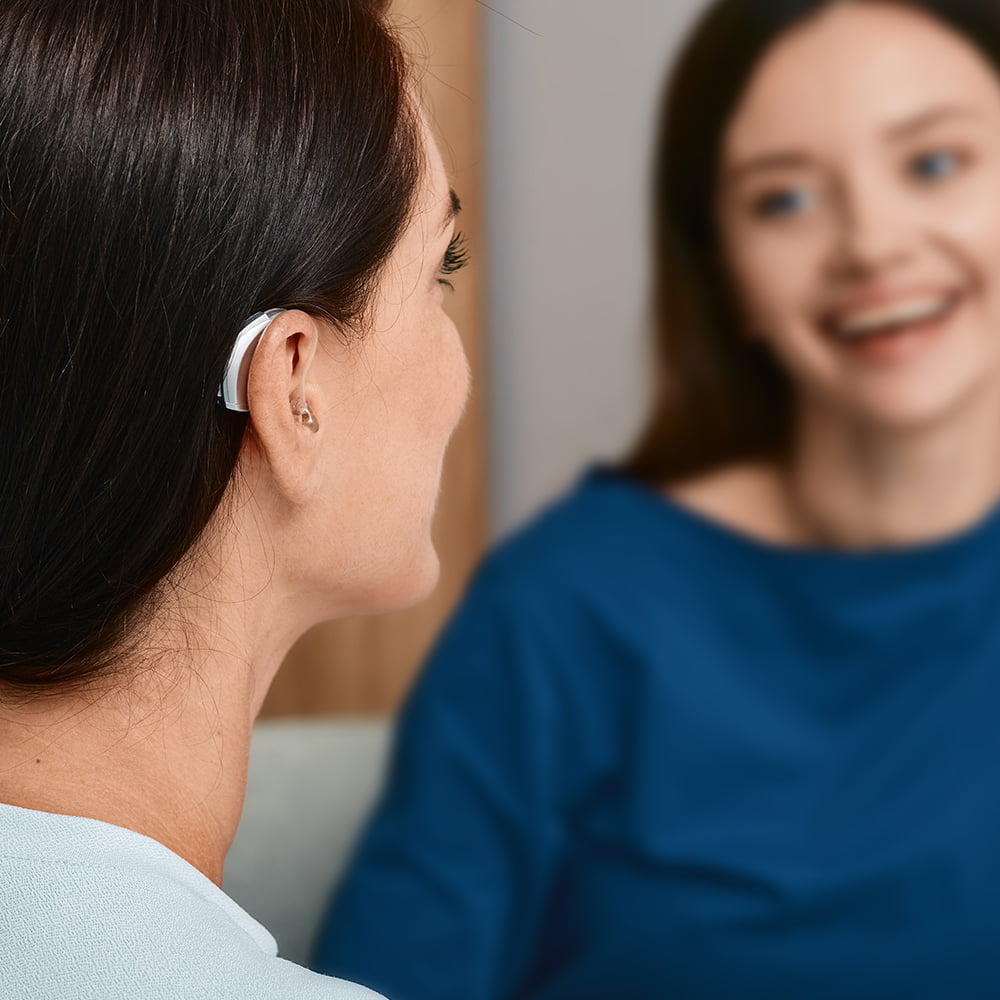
x,y
448,888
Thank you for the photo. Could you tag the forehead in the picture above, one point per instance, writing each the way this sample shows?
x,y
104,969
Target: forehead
x,y
420,241
434,188
853,70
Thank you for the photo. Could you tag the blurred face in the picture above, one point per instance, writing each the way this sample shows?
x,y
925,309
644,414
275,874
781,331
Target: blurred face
x,y
400,390
859,210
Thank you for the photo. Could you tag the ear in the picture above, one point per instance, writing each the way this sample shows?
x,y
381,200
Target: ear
x,y
277,388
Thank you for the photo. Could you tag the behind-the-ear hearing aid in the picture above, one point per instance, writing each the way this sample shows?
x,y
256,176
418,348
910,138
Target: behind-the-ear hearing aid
x,y
233,391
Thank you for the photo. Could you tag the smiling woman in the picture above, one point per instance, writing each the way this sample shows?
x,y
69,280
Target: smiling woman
x,y
774,216
858,241
723,723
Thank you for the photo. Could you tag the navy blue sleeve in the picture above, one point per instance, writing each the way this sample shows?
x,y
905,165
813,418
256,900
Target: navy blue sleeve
x,y
446,892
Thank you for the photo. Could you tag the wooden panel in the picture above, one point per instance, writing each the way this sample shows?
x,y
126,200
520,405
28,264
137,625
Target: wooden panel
x,y
364,666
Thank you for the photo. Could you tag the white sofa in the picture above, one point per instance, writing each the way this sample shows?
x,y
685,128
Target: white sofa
x,y
311,784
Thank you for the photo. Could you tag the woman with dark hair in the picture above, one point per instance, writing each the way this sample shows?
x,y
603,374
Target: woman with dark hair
x,y
226,385
723,722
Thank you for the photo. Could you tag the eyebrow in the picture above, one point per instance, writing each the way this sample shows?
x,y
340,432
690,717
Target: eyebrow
x,y
790,160
927,118
454,207
768,162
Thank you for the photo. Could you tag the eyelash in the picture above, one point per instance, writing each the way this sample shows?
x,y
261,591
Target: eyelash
x,y
455,258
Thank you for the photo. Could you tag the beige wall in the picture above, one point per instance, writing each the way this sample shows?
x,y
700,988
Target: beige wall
x,y
572,86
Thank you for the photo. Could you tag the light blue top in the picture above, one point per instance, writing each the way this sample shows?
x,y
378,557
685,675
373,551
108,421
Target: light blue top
x,y
91,911
654,758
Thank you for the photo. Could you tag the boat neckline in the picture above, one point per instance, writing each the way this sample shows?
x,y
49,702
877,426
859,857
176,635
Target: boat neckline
x,y
718,532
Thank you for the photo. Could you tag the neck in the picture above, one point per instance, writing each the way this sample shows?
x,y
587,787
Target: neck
x,y
167,754
854,485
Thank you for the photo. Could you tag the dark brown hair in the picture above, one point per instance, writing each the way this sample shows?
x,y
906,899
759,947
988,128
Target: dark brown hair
x,y
721,397
166,170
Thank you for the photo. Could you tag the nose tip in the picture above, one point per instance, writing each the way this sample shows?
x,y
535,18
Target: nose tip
x,y
872,236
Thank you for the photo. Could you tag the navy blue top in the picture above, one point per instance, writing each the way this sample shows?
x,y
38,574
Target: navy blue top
x,y
652,757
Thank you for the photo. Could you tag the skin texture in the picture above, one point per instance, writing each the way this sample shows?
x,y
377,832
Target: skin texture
x,y
860,168
320,523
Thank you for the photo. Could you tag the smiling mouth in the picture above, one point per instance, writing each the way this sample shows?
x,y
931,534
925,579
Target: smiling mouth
x,y
862,325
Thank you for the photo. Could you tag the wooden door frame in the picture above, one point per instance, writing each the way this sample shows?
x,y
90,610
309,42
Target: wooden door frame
x,y
365,666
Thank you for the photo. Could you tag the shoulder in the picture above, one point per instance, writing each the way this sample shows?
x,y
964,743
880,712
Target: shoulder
x,y
747,498
144,944
608,567
613,534
97,911
544,604
591,532
288,981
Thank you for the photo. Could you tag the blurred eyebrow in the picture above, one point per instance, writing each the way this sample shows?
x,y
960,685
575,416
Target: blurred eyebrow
x,y
766,162
454,207
927,118
789,160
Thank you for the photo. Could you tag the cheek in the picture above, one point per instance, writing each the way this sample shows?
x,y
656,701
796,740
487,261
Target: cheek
x,y
965,223
972,240
460,377
416,396
438,377
776,277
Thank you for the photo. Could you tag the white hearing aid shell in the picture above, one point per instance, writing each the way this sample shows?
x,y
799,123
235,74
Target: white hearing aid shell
x,y
233,391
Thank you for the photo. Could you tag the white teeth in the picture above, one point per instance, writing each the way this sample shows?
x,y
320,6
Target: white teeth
x,y
867,321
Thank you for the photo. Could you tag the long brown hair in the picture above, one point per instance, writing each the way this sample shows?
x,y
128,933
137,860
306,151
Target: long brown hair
x,y
721,396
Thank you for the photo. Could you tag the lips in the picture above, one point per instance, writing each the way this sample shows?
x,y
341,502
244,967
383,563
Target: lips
x,y
863,321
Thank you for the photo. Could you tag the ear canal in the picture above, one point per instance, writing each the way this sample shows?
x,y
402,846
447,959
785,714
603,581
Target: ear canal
x,y
299,402
301,411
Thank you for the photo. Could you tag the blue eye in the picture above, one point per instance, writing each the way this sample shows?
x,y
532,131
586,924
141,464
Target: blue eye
x,y
934,166
790,201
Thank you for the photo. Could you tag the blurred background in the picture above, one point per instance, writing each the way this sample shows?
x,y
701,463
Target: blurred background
x,y
545,110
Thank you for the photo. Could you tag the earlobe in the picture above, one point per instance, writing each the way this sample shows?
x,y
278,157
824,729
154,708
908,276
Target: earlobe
x,y
282,402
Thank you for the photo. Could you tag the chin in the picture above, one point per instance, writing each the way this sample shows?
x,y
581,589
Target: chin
x,y
916,408
416,586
